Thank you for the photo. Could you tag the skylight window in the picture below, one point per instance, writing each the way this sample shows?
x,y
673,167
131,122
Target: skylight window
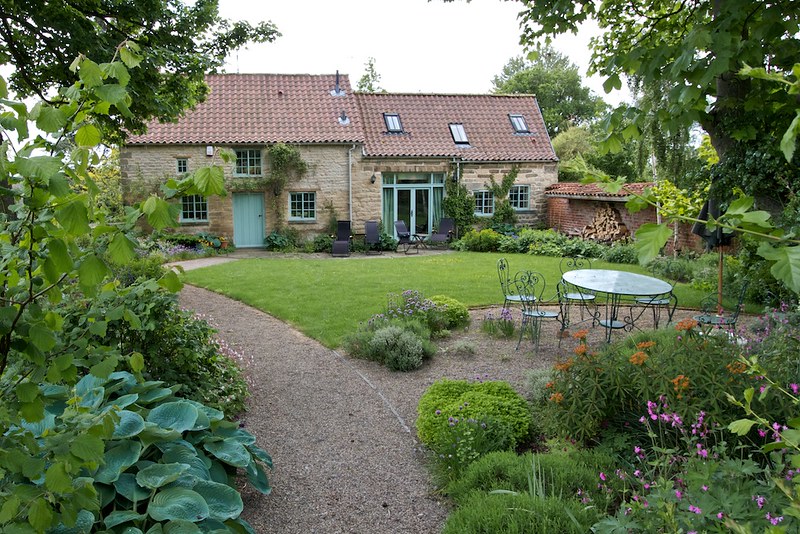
x,y
459,135
518,121
392,121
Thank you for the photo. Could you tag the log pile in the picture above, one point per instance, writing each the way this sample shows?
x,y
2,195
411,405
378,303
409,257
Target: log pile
x,y
607,226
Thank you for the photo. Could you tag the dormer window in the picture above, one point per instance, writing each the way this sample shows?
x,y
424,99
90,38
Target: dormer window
x,y
519,124
458,133
393,124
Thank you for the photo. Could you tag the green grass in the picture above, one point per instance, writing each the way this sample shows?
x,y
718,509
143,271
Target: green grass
x,y
327,299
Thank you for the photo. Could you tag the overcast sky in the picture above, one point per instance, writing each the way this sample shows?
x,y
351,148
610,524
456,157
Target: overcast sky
x,y
418,46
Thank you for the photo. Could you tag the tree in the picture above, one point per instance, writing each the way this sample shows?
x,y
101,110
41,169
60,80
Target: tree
x,y
368,83
584,141
697,48
558,87
178,44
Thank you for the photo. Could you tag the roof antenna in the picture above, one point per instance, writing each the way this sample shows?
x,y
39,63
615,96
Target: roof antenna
x,y
337,90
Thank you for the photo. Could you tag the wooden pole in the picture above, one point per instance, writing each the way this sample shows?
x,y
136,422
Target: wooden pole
x,y
719,282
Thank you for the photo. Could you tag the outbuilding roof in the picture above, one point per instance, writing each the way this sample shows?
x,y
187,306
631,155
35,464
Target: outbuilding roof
x,y
594,191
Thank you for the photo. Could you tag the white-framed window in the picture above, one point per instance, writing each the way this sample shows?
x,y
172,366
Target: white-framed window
x,y
302,206
194,208
518,122
182,165
458,133
248,162
393,124
484,203
520,197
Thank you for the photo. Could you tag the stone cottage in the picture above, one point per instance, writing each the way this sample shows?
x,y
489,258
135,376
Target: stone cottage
x,y
368,156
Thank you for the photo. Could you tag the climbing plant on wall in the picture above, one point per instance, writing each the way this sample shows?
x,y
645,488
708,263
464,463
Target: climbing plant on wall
x,y
459,204
285,165
503,212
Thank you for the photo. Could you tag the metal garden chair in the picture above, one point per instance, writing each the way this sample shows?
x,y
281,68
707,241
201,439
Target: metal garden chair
x,y
444,234
571,295
530,287
405,238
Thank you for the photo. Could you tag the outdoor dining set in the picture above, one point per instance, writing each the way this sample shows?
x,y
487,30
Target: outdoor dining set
x,y
607,298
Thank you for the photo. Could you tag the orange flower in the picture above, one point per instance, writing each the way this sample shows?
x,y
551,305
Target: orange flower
x,y
686,324
736,368
581,334
580,350
680,382
638,358
549,385
645,345
557,397
564,366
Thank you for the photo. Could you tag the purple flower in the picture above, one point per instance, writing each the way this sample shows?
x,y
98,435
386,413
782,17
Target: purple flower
x,y
695,509
760,500
679,494
602,476
774,519
794,388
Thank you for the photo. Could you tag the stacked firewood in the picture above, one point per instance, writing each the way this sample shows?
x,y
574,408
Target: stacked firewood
x,y
606,226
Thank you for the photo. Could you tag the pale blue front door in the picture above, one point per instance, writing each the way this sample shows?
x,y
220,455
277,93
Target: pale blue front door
x,y
248,220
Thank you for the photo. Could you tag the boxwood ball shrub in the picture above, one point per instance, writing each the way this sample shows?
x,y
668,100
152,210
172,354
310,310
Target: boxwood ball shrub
x,y
446,401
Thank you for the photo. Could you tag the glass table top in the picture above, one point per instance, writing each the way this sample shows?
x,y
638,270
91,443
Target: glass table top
x,y
617,282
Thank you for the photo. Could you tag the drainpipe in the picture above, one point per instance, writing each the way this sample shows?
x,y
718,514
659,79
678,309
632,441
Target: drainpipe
x,y
350,182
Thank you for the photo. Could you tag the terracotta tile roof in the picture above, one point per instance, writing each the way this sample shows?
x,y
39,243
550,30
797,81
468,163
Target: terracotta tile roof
x,y
572,189
425,120
264,108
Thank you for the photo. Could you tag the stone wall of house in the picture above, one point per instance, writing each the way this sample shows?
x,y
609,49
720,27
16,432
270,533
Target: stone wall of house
x,y
571,215
476,176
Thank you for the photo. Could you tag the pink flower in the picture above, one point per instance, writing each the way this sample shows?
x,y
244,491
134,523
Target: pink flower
x,y
774,519
720,515
704,488
602,476
695,509
794,388
679,494
760,500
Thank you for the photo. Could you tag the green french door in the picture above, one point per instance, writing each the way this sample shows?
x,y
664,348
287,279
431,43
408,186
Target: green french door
x,y
248,220
413,207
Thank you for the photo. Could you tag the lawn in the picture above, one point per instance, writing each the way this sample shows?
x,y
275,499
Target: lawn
x,y
326,299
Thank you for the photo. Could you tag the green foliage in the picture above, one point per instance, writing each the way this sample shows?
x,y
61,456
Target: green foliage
x,y
132,455
401,345
459,204
503,326
621,252
558,87
454,314
486,240
141,267
612,389
519,514
177,347
283,240
503,212
64,430
368,83
175,46
566,473
446,401
322,243
285,165
464,441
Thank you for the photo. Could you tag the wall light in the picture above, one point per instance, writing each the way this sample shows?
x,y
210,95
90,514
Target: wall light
x,y
209,150
372,179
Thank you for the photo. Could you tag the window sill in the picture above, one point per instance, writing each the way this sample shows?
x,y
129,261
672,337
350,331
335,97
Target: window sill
x,y
302,221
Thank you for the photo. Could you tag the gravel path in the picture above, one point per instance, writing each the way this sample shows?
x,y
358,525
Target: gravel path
x,y
346,461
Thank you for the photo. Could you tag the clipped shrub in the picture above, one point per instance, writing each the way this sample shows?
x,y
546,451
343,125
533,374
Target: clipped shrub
x,y
519,514
150,266
449,401
453,313
322,243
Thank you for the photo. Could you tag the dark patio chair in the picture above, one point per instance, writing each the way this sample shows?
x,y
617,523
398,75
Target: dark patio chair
x,y
372,237
530,286
341,243
444,234
571,295
405,238
715,317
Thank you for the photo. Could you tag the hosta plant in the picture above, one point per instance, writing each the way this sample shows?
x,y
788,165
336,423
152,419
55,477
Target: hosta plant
x,y
151,462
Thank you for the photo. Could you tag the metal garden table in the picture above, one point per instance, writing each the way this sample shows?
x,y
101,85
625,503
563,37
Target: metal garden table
x,y
616,286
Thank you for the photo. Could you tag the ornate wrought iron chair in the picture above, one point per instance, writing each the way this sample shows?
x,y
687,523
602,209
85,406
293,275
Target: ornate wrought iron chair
x,y
341,243
659,303
445,232
530,287
714,316
372,237
405,238
507,284
570,294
